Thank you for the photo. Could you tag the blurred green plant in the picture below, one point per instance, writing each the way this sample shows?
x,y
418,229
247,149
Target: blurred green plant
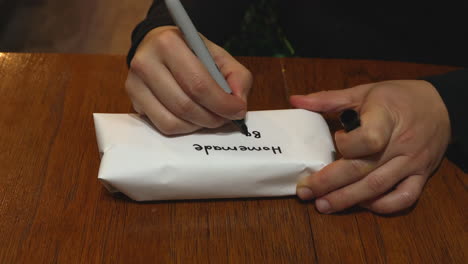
x,y
260,33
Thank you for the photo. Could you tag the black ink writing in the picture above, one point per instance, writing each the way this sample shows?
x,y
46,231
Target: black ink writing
x,y
209,148
254,133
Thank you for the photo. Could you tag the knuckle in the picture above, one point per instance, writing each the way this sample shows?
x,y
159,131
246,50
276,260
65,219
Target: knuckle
x,y
138,63
376,183
198,86
184,108
165,39
374,141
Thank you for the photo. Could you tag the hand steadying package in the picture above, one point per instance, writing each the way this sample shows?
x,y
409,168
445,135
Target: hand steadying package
x,y
282,146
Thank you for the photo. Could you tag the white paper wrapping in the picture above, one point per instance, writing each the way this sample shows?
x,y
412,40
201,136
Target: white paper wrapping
x,y
145,165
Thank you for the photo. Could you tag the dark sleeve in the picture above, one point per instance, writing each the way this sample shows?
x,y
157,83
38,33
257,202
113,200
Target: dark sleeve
x,y
453,88
215,19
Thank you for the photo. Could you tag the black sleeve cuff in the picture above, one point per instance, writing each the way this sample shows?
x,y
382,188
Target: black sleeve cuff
x,y
157,16
453,88
216,20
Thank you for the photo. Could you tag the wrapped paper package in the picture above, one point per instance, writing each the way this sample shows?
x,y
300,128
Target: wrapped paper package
x,y
283,145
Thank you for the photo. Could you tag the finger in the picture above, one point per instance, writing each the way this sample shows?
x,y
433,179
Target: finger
x,y
371,137
374,184
239,79
237,75
137,107
162,84
194,79
404,196
331,101
162,119
334,176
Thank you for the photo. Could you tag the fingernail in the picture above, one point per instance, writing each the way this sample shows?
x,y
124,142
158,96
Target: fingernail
x,y
323,206
305,193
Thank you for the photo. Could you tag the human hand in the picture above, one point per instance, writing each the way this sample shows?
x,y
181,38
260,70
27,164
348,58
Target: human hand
x,y
168,83
404,132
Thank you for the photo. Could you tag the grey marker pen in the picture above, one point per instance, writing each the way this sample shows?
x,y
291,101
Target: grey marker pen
x,y
194,41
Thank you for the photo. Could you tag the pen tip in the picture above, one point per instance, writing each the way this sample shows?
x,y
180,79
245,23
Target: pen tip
x,y
244,130
242,127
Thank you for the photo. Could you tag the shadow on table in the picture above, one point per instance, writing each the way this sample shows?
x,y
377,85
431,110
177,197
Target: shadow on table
x,y
355,210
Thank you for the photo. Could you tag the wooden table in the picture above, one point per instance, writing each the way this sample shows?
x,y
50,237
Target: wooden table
x,y
54,210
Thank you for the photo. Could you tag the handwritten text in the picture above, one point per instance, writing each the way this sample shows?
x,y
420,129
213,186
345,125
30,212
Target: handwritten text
x,y
208,148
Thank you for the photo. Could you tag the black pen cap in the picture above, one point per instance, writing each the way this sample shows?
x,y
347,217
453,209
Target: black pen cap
x,y
350,119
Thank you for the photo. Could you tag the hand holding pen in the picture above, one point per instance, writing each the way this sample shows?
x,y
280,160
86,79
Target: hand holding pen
x,y
168,83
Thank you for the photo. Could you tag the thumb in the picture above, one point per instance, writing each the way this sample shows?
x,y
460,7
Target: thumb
x,y
239,78
331,101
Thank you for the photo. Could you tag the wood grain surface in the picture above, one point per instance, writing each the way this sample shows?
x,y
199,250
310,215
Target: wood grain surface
x,y
54,210
72,26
